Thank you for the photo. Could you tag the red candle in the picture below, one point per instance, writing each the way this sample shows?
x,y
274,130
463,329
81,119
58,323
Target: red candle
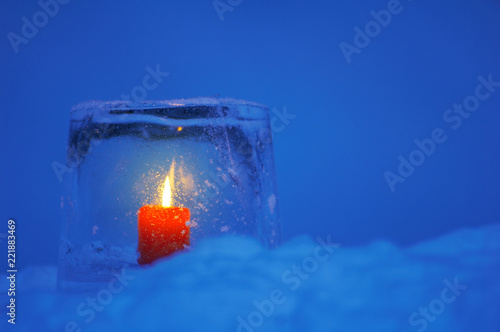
x,y
162,229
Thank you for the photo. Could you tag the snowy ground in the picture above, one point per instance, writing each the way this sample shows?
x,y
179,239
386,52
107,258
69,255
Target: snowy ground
x,y
232,284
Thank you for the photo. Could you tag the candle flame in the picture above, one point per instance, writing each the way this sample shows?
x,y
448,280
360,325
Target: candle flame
x,y
167,194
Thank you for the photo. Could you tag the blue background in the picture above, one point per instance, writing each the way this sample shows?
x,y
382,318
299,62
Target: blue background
x,y
352,120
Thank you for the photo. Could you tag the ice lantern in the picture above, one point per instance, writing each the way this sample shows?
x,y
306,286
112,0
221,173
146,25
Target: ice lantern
x,y
215,154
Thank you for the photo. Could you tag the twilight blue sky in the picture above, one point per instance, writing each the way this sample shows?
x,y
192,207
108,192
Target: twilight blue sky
x,y
353,120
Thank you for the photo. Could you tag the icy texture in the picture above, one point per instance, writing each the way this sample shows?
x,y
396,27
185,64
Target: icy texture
x,y
217,153
372,288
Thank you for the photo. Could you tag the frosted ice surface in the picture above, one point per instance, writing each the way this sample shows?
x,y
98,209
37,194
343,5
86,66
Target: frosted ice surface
x,y
233,284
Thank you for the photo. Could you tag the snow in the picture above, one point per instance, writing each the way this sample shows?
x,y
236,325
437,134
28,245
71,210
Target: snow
x,y
448,284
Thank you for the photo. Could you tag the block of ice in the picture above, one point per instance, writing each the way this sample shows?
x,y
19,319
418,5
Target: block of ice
x,y
215,152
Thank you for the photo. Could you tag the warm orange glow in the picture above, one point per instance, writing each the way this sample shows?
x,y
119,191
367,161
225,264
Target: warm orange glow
x,y
162,229
179,128
167,194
